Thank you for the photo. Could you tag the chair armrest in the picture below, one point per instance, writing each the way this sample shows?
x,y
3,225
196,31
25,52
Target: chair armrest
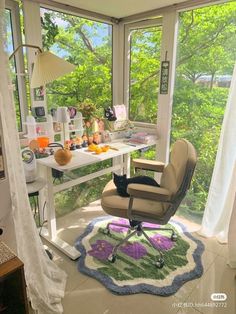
x,y
146,164
149,192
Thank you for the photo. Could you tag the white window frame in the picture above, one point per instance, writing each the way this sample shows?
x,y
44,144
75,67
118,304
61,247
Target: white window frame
x,y
128,28
34,33
19,59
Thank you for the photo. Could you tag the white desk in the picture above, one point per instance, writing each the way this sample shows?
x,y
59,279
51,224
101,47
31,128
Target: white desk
x,y
81,158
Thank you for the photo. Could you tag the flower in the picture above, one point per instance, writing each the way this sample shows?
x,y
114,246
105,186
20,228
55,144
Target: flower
x,y
150,225
162,242
120,229
88,111
101,249
135,250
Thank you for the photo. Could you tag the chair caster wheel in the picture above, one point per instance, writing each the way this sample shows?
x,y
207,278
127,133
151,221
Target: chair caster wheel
x,y
160,263
112,258
106,231
174,237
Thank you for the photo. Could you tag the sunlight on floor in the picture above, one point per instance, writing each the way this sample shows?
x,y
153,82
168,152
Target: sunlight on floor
x,y
85,295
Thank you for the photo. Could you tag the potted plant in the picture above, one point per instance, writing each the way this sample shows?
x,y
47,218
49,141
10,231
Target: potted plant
x,y
88,111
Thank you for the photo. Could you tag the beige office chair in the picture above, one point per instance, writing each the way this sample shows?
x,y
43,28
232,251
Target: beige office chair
x,y
150,203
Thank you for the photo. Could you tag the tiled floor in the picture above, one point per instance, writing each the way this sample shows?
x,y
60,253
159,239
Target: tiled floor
x,y
85,295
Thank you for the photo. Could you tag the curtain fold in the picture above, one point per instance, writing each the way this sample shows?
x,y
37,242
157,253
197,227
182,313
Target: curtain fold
x,y
219,206
232,234
45,281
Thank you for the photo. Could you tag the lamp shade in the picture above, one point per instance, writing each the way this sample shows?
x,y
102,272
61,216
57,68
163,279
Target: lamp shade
x,y
48,67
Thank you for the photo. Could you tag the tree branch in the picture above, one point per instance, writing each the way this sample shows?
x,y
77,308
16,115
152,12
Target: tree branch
x,y
188,28
203,46
153,74
89,46
56,92
86,40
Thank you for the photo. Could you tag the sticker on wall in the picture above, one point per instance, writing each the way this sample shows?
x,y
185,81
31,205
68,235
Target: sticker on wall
x,y
164,77
2,171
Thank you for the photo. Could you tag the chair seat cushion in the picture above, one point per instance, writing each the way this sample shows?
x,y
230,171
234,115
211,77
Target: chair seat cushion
x,y
115,205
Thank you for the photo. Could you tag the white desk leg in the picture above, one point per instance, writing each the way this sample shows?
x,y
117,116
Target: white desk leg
x,y
127,164
118,161
51,215
42,205
50,233
42,195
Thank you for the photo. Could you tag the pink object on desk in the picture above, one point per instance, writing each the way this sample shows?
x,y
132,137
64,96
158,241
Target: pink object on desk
x,y
120,112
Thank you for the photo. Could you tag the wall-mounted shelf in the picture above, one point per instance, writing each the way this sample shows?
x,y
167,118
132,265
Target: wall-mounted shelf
x,y
51,127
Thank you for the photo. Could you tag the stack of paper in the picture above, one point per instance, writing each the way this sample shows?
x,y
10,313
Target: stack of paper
x,y
141,137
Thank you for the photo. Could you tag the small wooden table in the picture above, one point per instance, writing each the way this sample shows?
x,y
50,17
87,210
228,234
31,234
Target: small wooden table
x,y
13,298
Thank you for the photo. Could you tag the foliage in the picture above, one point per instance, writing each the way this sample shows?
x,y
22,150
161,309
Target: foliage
x,y
198,118
207,48
88,110
86,44
144,73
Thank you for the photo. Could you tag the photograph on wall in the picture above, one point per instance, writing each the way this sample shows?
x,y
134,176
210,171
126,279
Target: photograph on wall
x,y
2,171
39,93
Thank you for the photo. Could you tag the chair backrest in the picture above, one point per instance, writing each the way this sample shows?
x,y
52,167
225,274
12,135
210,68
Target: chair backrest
x,y
177,175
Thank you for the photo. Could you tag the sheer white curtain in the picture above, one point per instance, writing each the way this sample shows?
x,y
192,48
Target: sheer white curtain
x,y
45,281
221,196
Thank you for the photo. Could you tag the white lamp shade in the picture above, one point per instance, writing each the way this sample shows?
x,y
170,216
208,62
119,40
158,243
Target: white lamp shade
x,y
62,115
48,67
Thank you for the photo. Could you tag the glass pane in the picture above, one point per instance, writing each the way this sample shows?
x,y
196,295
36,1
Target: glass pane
x,y
145,46
88,45
10,49
206,56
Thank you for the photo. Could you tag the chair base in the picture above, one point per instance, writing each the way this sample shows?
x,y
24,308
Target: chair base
x,y
137,228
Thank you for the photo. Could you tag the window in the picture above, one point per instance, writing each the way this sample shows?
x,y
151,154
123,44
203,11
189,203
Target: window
x,y
87,44
206,56
144,67
13,40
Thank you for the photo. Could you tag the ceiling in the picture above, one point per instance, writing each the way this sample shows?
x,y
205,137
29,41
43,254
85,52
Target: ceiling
x,y
119,8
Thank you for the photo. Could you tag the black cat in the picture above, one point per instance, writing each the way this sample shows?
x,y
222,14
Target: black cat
x,y
109,114
121,182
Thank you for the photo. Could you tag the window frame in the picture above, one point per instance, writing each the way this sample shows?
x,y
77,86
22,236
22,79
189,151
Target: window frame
x,y
61,8
127,42
13,7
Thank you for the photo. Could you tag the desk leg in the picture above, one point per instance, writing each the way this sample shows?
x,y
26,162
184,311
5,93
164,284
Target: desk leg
x,y
127,164
50,233
118,161
51,215
42,195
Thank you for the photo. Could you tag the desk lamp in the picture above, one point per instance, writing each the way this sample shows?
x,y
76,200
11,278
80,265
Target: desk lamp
x,y
63,117
47,66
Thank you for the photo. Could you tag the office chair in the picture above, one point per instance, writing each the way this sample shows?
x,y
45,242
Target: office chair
x,y
150,203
